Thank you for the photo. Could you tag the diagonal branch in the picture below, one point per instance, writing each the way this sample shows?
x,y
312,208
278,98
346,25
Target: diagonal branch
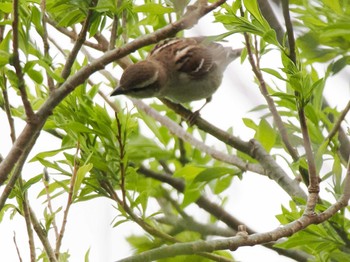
x,y
246,240
177,130
80,41
252,148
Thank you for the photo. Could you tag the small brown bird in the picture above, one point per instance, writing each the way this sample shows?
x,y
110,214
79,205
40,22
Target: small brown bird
x,y
180,69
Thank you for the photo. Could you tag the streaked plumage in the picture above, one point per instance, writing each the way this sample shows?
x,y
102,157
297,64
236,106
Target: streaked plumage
x,y
180,69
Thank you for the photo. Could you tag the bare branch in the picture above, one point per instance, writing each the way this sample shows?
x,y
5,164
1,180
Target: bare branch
x,y
242,240
17,249
177,130
290,33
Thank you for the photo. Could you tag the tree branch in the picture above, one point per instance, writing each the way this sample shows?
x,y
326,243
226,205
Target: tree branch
x,y
79,42
44,37
272,170
16,63
243,240
8,112
313,177
42,236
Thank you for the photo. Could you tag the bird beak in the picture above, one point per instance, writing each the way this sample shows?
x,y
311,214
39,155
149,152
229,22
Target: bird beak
x,y
117,91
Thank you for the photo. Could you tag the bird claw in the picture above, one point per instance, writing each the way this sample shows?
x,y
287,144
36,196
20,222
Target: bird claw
x,y
191,120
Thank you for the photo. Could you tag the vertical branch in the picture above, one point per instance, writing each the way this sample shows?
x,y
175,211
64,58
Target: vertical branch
x,y
313,177
26,214
69,202
289,27
271,104
42,234
16,63
114,30
44,37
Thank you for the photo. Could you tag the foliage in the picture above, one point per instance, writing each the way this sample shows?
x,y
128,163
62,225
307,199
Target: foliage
x,y
152,176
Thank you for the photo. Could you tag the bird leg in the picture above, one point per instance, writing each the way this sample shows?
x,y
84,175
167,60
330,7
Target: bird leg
x,y
192,118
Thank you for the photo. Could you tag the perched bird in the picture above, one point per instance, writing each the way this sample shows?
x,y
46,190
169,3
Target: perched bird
x,y
180,69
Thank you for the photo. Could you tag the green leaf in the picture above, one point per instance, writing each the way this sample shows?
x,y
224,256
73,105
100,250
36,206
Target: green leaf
x,y
50,153
6,7
81,173
274,73
253,9
250,123
87,254
213,173
4,58
222,184
192,193
266,135
188,172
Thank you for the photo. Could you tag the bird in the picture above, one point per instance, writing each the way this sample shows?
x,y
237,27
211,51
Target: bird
x,y
179,69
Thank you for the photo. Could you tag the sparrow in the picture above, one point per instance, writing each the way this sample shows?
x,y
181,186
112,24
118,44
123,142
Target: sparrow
x,y
179,69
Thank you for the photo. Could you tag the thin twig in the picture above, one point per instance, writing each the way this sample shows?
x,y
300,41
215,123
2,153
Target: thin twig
x,y
337,124
44,37
17,249
26,214
152,230
16,63
289,27
42,234
69,202
79,42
